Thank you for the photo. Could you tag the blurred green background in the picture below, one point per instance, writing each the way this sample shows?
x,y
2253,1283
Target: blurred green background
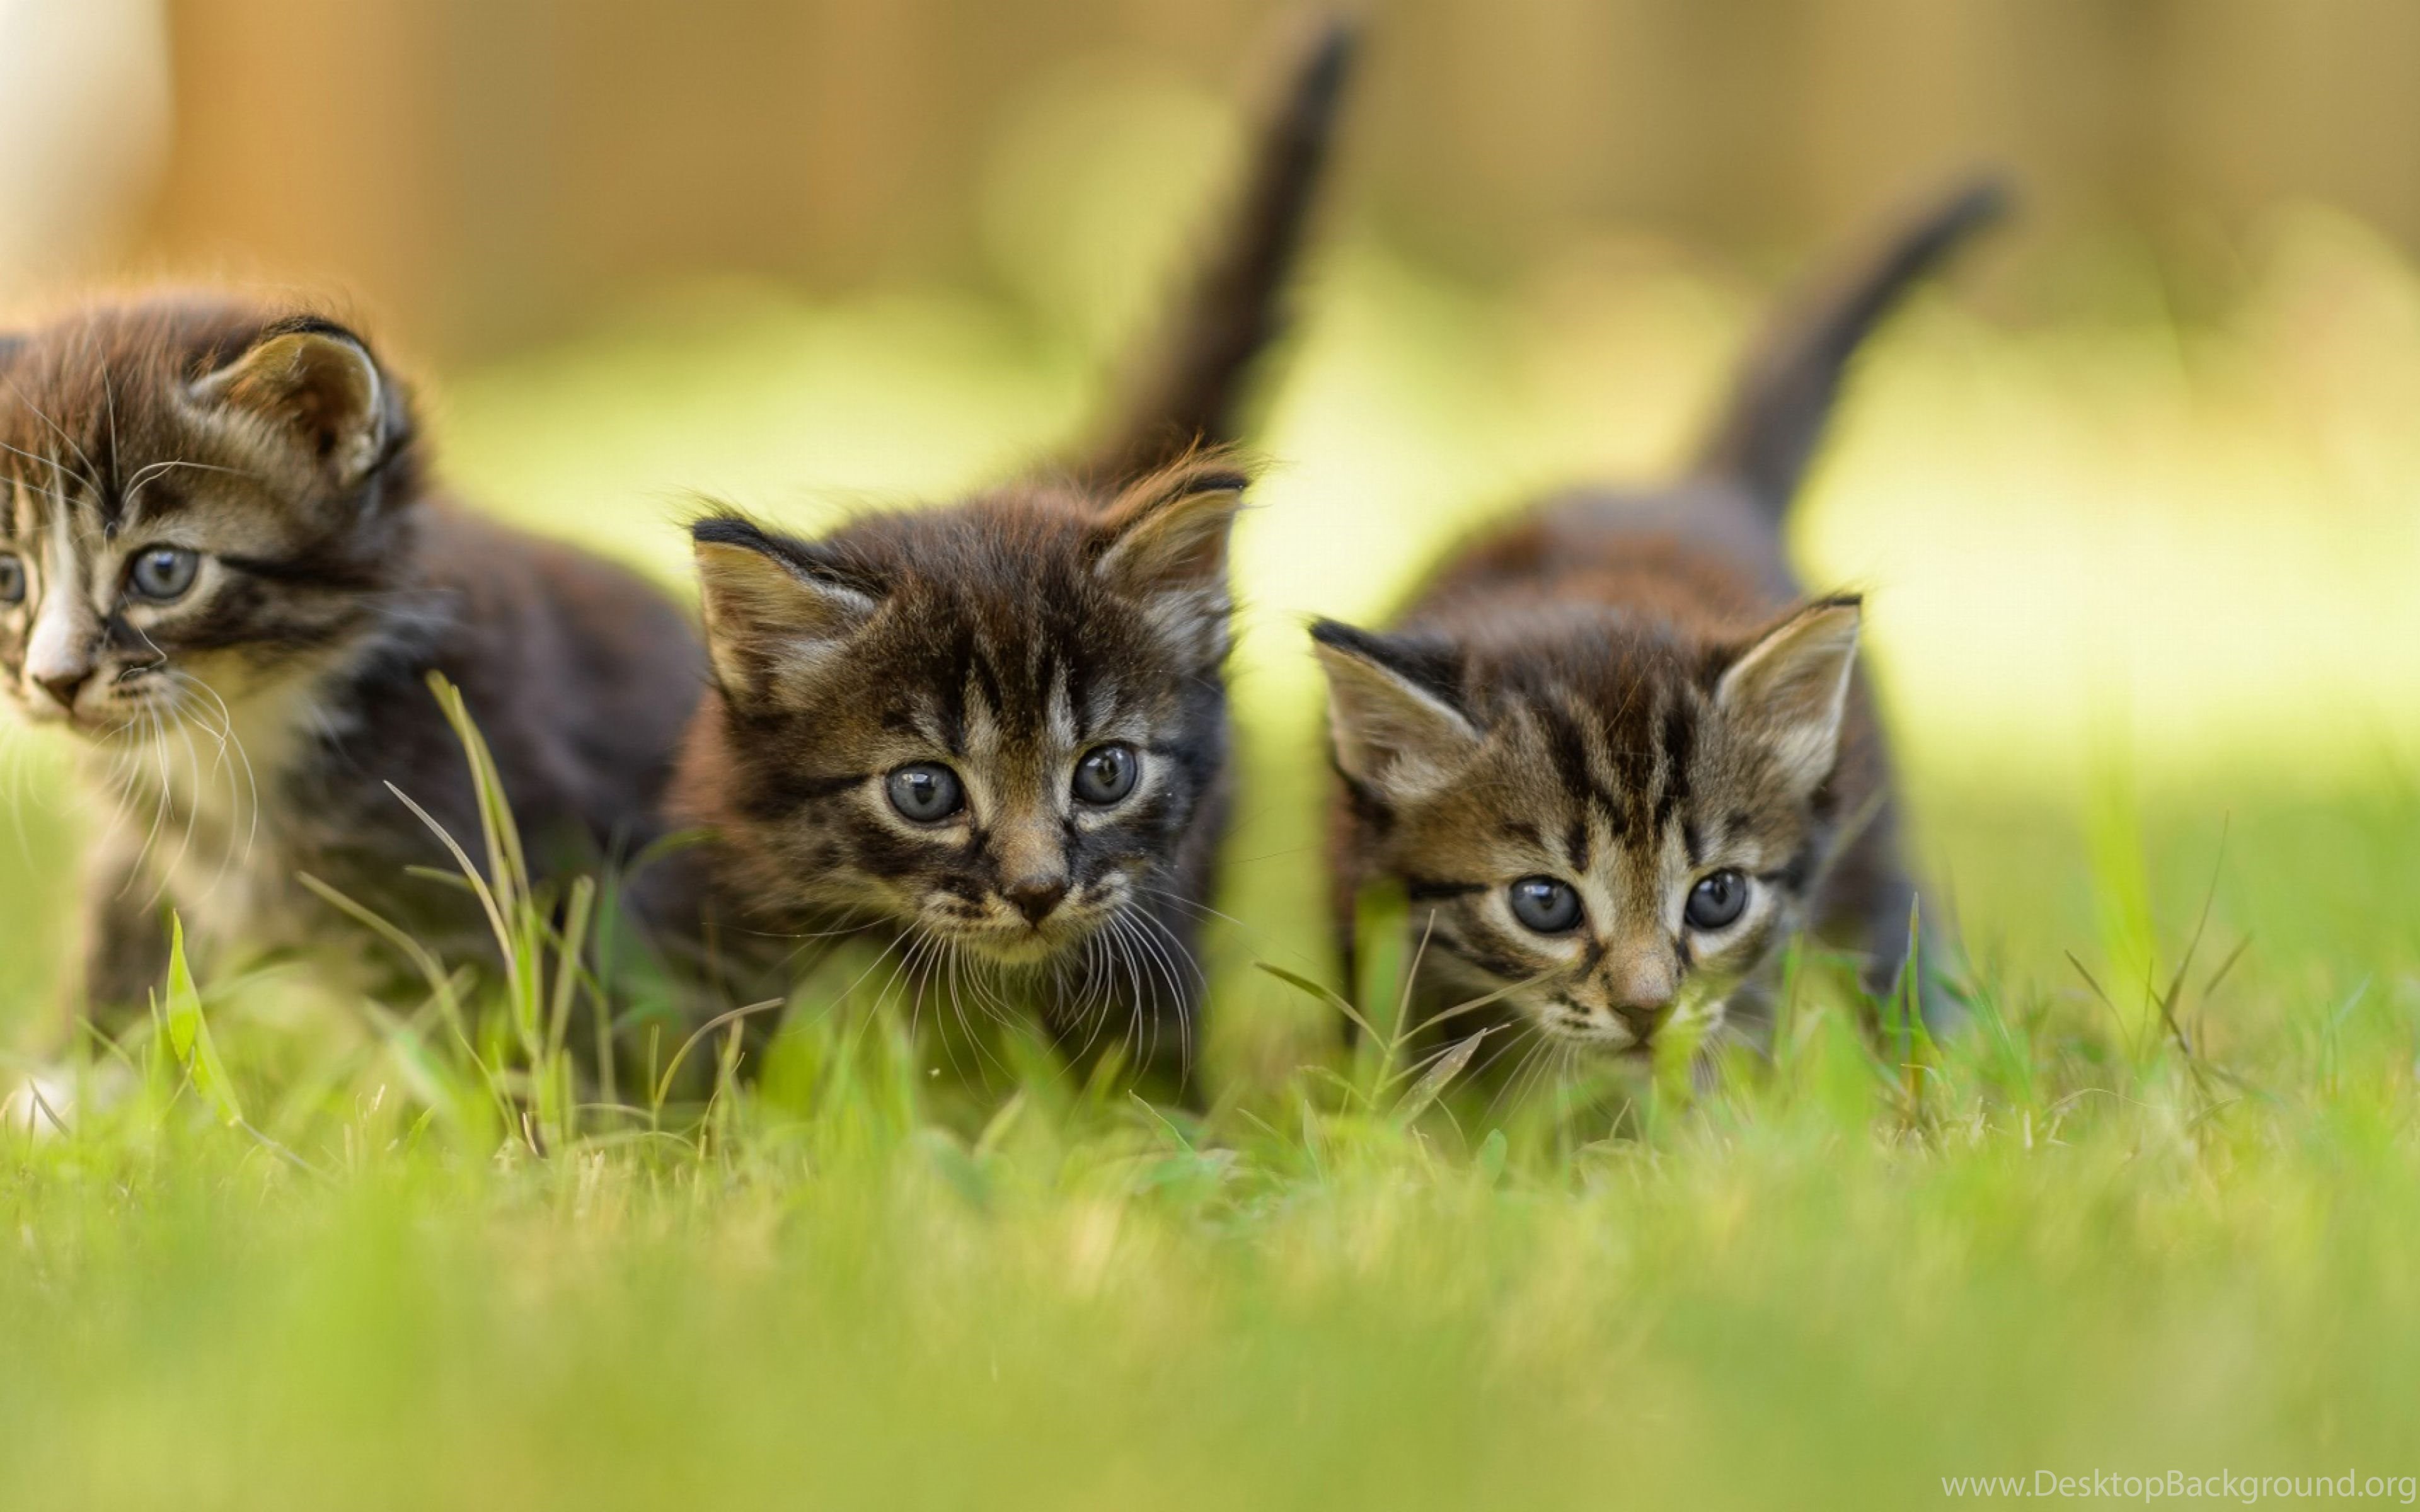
x,y
2134,495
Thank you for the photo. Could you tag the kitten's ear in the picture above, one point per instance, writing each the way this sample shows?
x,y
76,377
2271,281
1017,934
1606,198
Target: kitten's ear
x,y
1791,686
1398,726
1164,542
311,384
770,610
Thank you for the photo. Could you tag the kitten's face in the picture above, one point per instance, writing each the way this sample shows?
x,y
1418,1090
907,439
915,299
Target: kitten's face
x,y
183,520
1621,834
991,724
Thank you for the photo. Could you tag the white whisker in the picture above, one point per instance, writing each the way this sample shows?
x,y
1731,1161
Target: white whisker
x,y
1172,953
156,737
192,807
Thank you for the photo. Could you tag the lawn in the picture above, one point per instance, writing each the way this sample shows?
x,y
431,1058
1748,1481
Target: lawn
x,y
2141,614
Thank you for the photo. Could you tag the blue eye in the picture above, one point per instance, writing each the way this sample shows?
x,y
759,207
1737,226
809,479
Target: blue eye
x,y
1106,774
1718,900
1545,906
12,580
163,573
926,792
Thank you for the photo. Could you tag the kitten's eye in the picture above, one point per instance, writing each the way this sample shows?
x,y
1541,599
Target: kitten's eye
x,y
1106,774
1718,900
1546,905
163,573
12,580
926,792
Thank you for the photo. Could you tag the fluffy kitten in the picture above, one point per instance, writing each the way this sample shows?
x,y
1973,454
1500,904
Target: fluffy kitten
x,y
223,571
997,731
1612,753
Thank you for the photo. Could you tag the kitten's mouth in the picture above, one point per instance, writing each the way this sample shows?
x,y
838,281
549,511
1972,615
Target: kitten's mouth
x,y
113,725
1616,1037
120,712
1023,944
1015,948
52,717
1617,1043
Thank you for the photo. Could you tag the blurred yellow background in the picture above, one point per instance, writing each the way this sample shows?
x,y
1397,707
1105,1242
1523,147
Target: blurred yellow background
x,y
2134,492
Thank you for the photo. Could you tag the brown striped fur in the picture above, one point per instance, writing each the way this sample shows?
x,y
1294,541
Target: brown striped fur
x,y
1628,695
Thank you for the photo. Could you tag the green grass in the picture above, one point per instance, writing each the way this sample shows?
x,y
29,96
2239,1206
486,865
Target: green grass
x,y
339,1270
2063,1245
309,1258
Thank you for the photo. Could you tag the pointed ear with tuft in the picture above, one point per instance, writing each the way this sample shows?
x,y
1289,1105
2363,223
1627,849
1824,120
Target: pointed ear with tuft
x,y
1164,542
312,385
773,610
1790,688
1397,723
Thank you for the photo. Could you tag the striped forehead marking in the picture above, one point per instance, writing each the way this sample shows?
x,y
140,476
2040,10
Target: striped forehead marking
x,y
1627,774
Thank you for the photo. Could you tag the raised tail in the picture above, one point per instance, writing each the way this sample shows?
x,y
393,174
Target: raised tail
x,y
1191,392
1768,433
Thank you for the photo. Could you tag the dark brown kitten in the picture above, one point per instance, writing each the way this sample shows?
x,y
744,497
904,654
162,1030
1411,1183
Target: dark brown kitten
x,y
996,732
1612,752
225,571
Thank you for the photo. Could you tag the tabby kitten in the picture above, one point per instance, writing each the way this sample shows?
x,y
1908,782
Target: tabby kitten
x,y
225,572
996,732
1612,753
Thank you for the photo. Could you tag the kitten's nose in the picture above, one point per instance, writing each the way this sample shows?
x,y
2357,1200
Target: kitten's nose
x,y
1642,1019
64,687
1034,897
1639,987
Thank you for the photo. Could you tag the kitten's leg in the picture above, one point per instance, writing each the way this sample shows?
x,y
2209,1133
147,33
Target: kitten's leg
x,y
122,963
124,956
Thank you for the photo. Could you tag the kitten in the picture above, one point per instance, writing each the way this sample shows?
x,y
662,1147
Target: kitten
x,y
1613,754
225,571
996,734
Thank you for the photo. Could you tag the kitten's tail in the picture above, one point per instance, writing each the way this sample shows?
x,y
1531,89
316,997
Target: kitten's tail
x,y
1768,433
1192,391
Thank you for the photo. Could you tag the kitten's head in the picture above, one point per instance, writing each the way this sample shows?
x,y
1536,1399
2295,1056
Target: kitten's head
x,y
198,503
1624,821
992,722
